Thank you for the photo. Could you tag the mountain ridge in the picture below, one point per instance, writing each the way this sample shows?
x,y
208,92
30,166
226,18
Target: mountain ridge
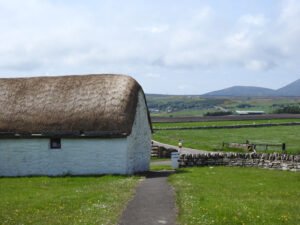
x,y
290,90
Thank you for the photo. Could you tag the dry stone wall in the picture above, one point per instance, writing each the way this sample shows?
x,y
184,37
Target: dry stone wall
x,y
262,160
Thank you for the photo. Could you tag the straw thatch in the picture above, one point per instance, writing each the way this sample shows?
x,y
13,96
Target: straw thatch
x,y
95,105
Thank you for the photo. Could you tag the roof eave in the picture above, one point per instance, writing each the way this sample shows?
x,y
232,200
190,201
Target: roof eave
x,y
66,134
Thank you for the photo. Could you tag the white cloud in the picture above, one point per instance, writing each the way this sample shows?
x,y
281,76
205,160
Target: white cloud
x,y
253,20
183,87
287,32
258,65
239,41
152,75
153,39
153,29
71,37
290,11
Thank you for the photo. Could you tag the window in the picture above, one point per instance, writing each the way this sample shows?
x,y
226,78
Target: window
x,y
55,143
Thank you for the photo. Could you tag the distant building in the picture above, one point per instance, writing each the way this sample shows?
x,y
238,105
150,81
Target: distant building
x,y
249,112
154,110
77,125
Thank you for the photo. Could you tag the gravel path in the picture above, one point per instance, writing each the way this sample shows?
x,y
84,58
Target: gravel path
x,y
153,203
183,150
166,162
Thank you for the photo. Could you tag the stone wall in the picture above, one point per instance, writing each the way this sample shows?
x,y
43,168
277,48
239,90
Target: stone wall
x,y
262,160
162,152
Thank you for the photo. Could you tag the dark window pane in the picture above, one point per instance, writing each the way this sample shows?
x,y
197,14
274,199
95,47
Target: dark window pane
x,y
55,143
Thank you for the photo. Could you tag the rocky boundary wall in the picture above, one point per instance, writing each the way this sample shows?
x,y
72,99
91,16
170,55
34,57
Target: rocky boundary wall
x,y
261,160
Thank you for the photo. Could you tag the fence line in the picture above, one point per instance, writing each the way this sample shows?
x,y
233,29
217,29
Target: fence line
x,y
254,146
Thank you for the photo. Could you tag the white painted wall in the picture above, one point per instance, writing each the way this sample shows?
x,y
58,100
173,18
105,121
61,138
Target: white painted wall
x,y
78,156
20,157
139,141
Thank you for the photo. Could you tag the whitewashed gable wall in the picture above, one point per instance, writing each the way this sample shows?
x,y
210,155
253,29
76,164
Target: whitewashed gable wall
x,y
139,141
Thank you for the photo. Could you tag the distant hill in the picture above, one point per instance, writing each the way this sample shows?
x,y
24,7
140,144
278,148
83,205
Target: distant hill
x,y
292,89
242,91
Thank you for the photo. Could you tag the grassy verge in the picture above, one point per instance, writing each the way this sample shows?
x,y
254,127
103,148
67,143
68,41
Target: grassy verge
x,y
160,167
67,200
212,139
155,159
158,164
232,196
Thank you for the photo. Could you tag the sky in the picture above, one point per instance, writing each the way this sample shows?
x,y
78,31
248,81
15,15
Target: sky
x,y
168,46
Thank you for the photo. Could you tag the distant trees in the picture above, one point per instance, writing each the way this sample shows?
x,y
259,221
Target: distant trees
x,y
173,104
288,109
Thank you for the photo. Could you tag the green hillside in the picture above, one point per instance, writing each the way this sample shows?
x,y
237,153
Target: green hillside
x,y
196,105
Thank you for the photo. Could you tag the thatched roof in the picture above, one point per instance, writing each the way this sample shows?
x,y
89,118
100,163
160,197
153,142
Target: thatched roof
x,y
90,105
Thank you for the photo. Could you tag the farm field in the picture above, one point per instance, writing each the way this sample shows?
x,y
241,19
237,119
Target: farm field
x,y
64,200
196,105
189,119
224,195
212,139
222,123
182,113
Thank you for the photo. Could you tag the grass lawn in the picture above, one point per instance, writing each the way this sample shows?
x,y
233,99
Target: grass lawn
x,y
224,195
212,139
64,200
155,159
160,167
158,164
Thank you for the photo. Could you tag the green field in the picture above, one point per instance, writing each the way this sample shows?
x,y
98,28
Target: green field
x,y
217,196
221,123
64,200
193,105
182,113
212,139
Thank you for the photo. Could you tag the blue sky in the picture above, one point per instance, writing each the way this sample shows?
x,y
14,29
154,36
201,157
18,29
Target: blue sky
x,y
169,46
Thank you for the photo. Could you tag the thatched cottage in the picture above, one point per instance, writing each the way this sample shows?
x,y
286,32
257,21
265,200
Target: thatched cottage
x,y
91,124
